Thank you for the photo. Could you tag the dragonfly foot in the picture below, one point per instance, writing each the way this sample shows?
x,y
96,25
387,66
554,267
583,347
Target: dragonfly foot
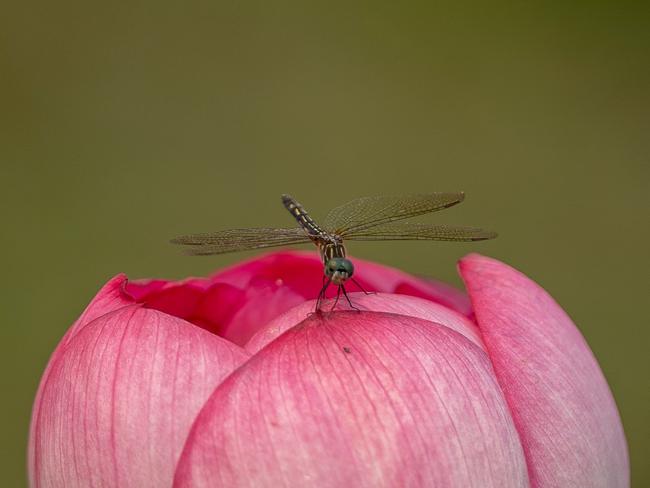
x,y
338,296
345,293
362,288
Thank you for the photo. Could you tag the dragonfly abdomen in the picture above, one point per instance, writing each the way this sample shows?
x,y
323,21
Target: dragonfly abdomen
x,y
301,216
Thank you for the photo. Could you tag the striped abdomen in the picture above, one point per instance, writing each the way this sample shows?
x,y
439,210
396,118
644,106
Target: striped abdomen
x,y
301,216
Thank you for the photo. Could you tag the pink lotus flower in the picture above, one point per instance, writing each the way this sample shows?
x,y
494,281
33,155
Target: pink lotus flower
x,y
233,381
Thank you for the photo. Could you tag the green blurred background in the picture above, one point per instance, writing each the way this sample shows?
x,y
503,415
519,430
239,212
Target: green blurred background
x,y
123,124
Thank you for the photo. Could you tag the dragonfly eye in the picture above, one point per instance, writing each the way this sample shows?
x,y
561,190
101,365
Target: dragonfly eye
x,y
341,266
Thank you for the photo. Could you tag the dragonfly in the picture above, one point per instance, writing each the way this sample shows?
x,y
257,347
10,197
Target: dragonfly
x,y
379,218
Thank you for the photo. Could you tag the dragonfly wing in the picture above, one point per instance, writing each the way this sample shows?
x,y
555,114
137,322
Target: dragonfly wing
x,y
368,212
406,231
233,240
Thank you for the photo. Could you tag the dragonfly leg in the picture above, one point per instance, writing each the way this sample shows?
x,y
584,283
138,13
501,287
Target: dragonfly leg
x,y
321,295
345,293
338,295
362,288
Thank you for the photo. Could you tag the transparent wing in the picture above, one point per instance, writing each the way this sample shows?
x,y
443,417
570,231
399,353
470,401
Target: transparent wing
x,y
408,231
233,240
364,213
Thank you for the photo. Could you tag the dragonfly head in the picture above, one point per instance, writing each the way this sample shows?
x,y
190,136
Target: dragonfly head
x,y
339,270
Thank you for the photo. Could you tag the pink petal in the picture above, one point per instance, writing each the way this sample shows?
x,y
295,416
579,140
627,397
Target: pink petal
x,y
218,305
561,404
357,399
375,302
141,289
383,278
237,302
299,271
120,398
179,301
303,271
260,305
112,296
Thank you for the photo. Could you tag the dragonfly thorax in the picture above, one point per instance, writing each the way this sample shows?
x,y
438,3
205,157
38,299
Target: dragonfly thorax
x,y
339,270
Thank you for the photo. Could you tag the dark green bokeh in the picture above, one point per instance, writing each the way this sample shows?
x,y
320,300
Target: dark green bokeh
x,y
122,125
